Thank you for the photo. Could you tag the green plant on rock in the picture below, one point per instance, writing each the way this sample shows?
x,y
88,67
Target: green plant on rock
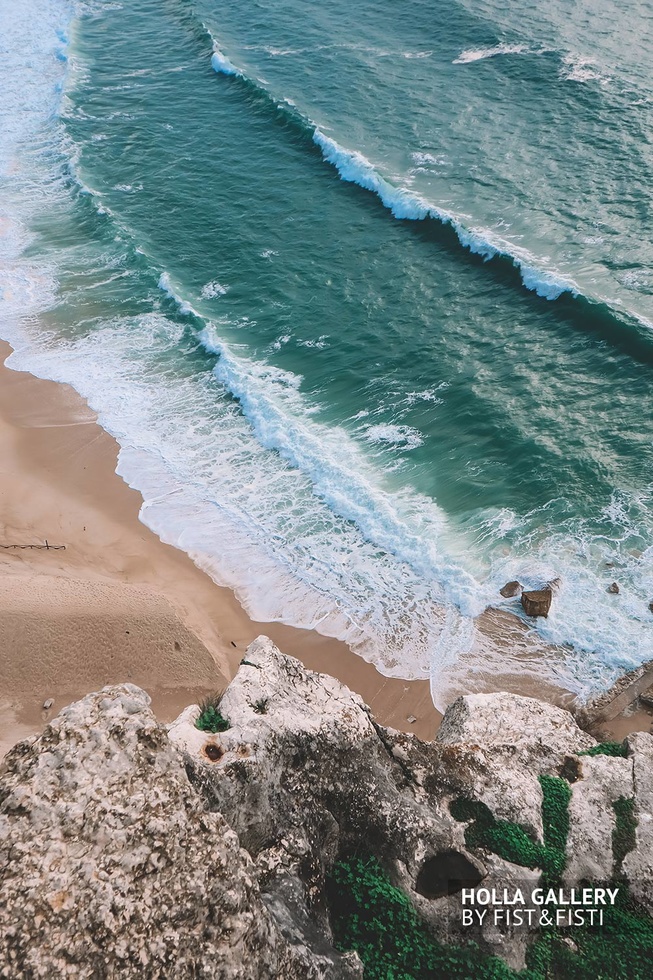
x,y
210,718
511,842
619,949
618,749
623,835
508,840
376,919
555,824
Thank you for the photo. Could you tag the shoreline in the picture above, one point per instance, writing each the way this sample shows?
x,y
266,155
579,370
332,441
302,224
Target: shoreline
x,y
59,484
116,579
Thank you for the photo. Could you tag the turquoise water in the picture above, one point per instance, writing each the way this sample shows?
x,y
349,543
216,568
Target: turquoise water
x,y
367,300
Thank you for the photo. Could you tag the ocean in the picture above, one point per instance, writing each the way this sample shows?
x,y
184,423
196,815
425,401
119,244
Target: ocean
x,y
365,294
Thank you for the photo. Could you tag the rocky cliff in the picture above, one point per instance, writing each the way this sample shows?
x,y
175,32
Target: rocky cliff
x,y
128,849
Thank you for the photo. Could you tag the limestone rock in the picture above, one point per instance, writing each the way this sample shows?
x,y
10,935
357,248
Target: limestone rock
x,y
109,866
133,850
312,776
603,780
537,602
638,864
514,725
503,743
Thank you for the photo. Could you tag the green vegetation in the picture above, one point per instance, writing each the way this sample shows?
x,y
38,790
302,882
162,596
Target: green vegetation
x,y
370,915
506,839
376,919
620,949
607,748
555,822
210,719
511,842
623,835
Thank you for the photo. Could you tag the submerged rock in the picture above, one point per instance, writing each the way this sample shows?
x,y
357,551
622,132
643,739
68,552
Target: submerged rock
x,y
537,602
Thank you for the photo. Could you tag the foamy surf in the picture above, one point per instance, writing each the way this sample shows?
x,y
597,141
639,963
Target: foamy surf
x,y
221,63
481,54
576,68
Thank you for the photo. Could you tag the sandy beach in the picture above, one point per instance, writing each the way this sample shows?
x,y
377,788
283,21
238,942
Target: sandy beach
x,y
106,601
117,604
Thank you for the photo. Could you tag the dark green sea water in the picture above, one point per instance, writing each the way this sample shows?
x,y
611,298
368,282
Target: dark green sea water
x,y
365,294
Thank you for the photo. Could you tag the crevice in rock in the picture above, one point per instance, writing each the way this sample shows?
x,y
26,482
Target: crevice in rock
x,y
446,873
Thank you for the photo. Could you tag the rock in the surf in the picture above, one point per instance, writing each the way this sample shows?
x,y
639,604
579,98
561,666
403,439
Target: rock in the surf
x,y
511,589
613,589
537,602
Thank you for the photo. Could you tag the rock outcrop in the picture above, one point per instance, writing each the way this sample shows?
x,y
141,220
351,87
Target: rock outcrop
x,y
537,602
305,774
110,865
130,850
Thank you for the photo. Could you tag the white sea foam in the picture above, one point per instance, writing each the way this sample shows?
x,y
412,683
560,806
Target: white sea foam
x,y
221,63
480,54
577,68
404,436
427,395
213,289
404,204
426,159
318,344
281,341
167,287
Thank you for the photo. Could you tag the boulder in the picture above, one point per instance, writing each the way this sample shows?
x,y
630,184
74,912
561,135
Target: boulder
x,y
312,777
602,780
537,602
511,740
613,589
511,589
110,865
